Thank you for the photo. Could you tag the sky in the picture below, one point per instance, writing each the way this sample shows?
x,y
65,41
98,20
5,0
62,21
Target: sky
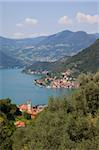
x,y
37,18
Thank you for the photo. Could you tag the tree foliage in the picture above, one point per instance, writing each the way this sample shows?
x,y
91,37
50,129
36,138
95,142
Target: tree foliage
x,y
8,112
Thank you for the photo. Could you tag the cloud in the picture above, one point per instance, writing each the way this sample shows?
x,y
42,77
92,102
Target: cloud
x,y
31,21
28,22
18,35
86,18
64,20
37,34
19,24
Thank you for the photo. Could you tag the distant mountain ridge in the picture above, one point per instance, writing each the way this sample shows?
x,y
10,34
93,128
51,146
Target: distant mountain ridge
x,y
85,61
7,61
47,48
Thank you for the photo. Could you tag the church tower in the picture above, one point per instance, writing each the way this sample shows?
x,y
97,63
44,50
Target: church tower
x,y
29,104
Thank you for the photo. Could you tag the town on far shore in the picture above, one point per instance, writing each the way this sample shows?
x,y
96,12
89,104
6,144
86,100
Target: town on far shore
x,y
62,80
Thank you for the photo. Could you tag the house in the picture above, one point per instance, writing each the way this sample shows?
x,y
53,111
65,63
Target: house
x,y
23,107
19,124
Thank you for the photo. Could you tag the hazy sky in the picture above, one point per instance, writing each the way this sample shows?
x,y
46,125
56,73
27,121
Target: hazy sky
x,y
31,19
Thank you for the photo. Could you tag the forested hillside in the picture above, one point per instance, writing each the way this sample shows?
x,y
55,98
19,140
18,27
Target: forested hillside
x,y
87,60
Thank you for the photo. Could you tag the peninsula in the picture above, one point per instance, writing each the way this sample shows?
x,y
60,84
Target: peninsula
x,y
62,80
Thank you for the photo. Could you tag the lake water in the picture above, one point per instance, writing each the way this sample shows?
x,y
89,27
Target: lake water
x,y
19,88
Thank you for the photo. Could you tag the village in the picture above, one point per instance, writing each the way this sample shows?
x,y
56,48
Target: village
x,y
64,81
31,110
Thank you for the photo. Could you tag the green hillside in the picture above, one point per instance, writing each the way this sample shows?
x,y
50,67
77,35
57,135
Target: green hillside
x,y
85,61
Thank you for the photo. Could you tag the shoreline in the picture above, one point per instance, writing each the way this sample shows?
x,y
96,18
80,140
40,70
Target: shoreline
x,y
20,87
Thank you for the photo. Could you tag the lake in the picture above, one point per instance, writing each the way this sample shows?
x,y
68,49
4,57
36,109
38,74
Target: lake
x,y
19,87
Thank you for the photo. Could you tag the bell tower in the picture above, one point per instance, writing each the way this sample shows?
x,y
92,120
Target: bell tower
x,y
29,104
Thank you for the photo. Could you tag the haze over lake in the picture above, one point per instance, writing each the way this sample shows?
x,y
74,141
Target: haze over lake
x,y
20,87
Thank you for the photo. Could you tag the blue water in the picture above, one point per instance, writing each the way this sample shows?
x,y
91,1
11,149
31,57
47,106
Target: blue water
x,y
19,88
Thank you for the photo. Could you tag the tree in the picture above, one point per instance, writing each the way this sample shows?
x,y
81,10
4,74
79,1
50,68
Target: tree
x,y
8,112
26,115
9,109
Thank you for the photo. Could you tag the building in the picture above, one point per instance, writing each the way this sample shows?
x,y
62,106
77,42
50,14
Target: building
x,y
19,124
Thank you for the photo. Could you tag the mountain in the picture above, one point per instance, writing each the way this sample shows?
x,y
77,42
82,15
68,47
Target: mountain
x,y
48,66
16,47
60,44
85,61
7,61
97,35
47,48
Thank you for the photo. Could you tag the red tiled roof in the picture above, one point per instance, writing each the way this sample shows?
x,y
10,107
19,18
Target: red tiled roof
x,y
23,107
19,124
